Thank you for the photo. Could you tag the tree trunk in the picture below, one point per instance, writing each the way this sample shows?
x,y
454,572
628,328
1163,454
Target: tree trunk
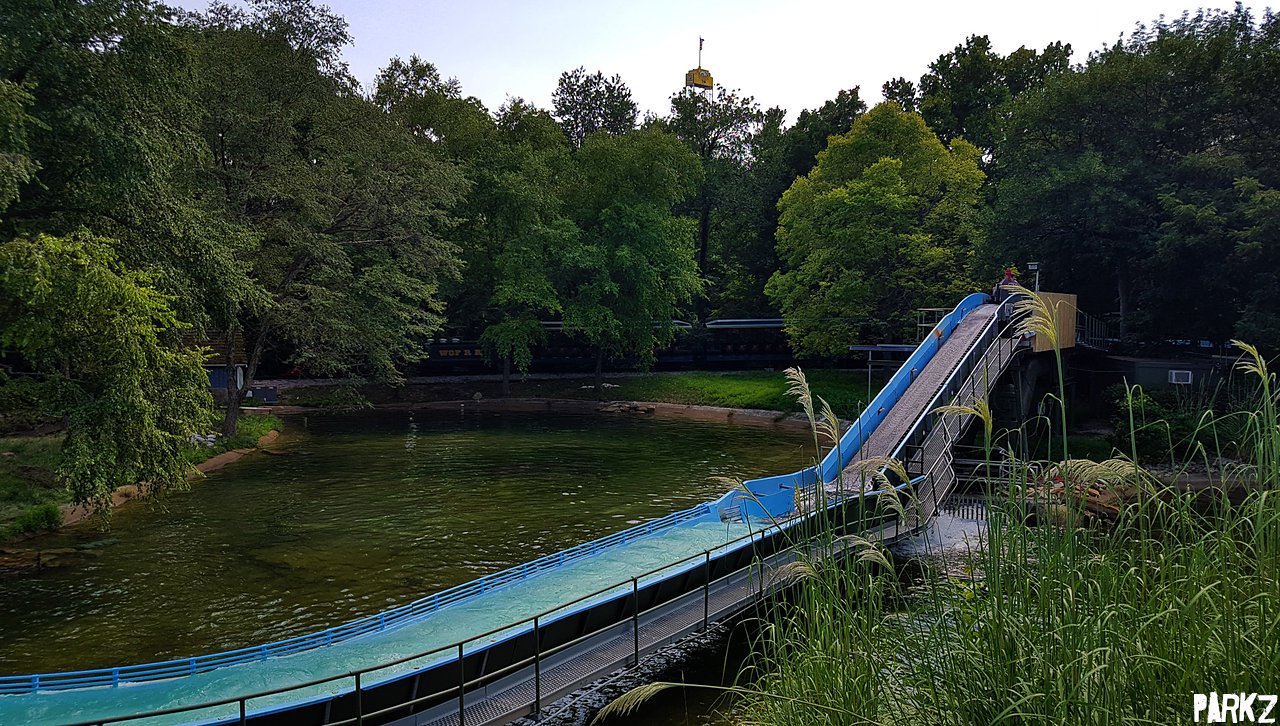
x,y
506,375
1123,294
255,355
232,414
704,243
600,375
235,394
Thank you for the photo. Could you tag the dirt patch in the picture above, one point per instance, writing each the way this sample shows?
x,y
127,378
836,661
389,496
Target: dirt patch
x,y
688,412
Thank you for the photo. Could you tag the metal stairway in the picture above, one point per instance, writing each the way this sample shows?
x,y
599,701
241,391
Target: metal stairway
x,y
965,370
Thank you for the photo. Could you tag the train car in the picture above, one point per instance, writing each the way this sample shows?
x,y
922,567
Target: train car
x,y
722,343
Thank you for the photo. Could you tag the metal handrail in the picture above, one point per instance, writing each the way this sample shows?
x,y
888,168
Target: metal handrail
x,y
969,372
968,390
777,528
376,622
395,617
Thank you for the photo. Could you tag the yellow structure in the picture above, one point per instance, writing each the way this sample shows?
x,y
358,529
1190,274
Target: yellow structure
x,y
1065,305
698,78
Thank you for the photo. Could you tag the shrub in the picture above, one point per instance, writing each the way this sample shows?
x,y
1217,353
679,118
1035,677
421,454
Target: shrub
x,y
40,518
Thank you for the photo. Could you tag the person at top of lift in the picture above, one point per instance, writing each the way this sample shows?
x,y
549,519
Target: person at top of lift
x,y
1001,290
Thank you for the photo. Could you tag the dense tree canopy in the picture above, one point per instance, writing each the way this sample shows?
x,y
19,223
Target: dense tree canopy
x,y
887,222
1145,179
179,177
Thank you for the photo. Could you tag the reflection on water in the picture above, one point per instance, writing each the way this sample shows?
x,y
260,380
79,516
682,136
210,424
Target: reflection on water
x,y
370,510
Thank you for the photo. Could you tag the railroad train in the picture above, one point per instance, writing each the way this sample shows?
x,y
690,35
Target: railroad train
x,y
721,343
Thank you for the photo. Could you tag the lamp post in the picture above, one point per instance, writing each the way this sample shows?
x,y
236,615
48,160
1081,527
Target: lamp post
x,y
1035,267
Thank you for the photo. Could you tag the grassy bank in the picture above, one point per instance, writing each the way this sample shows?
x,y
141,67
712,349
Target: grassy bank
x,y
846,390
30,495
29,491
248,430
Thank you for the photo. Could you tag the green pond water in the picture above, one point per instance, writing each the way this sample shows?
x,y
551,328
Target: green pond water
x,y
371,510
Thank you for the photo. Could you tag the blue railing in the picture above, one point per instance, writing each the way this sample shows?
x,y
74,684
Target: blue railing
x,y
771,497
773,490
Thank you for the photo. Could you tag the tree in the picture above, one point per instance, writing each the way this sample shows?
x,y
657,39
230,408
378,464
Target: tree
x,y
16,167
632,263
742,254
718,127
808,137
887,222
902,92
964,93
585,103
103,342
434,110
528,232
742,247
1145,166
101,131
346,209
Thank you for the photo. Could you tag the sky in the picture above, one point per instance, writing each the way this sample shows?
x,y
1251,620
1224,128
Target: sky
x,y
790,53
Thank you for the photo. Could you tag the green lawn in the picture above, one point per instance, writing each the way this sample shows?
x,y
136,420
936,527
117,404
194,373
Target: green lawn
x,y
846,391
28,487
248,430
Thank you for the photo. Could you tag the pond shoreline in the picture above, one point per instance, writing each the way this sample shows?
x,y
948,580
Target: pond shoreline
x,y
655,409
73,514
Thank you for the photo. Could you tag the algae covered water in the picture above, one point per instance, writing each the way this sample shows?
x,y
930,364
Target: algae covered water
x,y
368,511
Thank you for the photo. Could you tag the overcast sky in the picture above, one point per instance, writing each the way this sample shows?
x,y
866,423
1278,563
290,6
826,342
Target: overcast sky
x,y
790,53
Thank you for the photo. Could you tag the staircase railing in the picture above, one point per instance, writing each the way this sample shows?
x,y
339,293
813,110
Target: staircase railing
x,y
1091,332
926,449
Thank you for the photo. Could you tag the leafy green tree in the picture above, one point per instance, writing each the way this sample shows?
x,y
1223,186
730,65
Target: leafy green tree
x,y
510,227
631,265
964,93
742,254
527,231
103,342
347,210
902,92
1147,166
16,167
808,137
718,127
887,222
434,110
101,122
585,103
742,248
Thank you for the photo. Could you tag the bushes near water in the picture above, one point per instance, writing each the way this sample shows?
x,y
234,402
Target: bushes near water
x,y
40,518
30,494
